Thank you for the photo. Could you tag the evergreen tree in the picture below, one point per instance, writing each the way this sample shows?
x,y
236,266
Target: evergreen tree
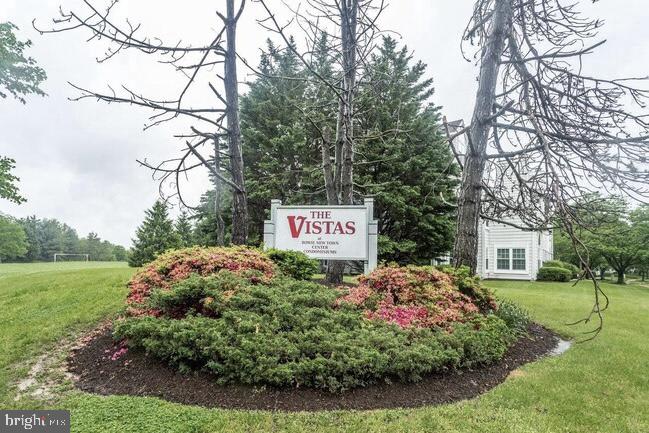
x,y
184,229
91,245
401,156
106,253
70,240
51,238
280,155
405,162
155,235
206,227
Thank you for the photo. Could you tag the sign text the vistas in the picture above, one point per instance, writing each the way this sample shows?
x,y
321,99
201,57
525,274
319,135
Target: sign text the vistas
x,y
324,232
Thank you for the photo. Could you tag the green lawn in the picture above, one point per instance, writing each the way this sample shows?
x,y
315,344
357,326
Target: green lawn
x,y
596,387
41,303
9,269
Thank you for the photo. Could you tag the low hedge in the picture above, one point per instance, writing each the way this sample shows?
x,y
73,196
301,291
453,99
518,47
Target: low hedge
x,y
574,270
293,333
551,273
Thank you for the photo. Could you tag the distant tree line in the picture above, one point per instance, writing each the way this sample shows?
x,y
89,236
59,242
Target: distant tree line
x,y
33,239
615,237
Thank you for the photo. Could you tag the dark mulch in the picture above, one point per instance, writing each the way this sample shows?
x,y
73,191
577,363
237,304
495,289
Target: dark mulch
x,y
136,374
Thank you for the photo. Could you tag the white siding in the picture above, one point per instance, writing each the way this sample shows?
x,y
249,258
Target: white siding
x,y
537,246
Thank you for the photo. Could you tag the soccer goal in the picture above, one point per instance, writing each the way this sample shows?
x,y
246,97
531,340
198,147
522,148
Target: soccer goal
x,y
61,257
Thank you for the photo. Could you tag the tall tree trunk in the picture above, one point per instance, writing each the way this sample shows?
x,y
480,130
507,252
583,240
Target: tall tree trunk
x,y
465,251
620,276
327,170
348,28
218,214
239,199
344,153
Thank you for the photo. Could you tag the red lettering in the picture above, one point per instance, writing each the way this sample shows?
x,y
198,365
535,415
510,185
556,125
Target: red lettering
x,y
295,229
300,224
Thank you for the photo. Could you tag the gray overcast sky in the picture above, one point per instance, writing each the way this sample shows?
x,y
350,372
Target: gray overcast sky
x,y
76,160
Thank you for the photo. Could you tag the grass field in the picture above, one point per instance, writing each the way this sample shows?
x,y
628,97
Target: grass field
x,y
596,387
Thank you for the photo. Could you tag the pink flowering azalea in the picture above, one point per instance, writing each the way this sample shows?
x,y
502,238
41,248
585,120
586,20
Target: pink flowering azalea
x,y
178,265
404,316
412,296
356,296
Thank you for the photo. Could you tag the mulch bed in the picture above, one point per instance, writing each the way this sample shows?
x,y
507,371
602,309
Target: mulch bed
x,y
136,374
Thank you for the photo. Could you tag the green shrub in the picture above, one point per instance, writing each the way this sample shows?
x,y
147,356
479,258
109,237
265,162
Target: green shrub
x,y
293,333
469,284
197,295
549,273
554,264
574,270
516,318
294,264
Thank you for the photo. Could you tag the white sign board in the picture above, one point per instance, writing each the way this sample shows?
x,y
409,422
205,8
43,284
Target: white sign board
x,y
325,232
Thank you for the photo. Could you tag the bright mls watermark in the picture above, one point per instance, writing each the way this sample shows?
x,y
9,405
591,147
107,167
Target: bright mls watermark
x,y
44,421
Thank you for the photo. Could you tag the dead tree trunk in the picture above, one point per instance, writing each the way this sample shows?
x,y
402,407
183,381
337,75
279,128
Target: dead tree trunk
x,y
344,157
348,26
218,213
327,170
352,46
239,199
192,62
465,250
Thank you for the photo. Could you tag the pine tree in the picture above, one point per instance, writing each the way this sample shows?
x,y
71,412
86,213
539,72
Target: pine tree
x,y
281,156
155,235
31,225
206,228
184,230
91,245
405,162
401,155
70,240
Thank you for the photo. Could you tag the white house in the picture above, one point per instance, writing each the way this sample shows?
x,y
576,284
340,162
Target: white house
x,y
506,252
